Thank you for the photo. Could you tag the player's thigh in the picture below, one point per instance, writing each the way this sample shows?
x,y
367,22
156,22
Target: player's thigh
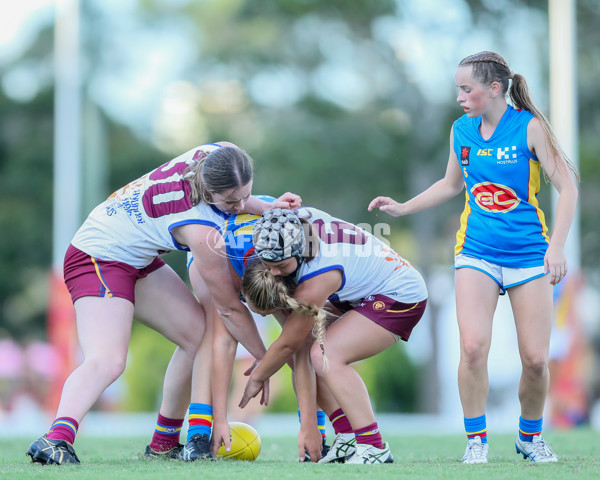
x,y
532,307
165,303
103,326
354,337
476,301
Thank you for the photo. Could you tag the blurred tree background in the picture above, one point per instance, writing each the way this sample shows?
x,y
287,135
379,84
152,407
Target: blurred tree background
x,y
338,101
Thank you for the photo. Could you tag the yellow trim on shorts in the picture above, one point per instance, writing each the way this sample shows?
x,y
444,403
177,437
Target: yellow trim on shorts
x,y
402,311
97,268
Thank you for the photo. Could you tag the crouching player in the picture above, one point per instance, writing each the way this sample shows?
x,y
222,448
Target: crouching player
x,y
379,295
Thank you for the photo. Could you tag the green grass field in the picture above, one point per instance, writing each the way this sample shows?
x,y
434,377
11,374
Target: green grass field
x,y
422,457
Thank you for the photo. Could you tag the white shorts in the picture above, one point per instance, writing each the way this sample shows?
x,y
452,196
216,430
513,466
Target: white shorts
x,y
505,277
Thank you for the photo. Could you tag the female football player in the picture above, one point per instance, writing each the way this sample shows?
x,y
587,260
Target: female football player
x,y
497,152
378,295
113,271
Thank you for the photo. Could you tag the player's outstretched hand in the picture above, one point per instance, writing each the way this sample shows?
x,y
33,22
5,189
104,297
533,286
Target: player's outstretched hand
x,y
220,436
253,387
288,200
387,205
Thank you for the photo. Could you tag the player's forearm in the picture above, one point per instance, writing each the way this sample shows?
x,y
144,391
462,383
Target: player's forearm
x,y
256,206
565,212
224,351
438,193
240,324
306,387
276,357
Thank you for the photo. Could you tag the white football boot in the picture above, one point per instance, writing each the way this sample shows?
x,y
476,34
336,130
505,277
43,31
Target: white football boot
x,y
476,452
370,455
537,450
342,448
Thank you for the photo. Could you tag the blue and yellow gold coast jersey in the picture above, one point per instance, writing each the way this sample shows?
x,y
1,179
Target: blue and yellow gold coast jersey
x,y
237,233
502,222
238,237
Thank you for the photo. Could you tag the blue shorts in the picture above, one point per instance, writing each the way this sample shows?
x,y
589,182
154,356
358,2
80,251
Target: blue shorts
x,y
505,277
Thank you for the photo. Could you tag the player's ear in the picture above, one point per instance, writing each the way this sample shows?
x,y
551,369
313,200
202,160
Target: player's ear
x,y
495,89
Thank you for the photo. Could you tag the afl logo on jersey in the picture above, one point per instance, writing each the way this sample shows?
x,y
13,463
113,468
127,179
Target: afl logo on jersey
x,y
494,197
464,155
378,305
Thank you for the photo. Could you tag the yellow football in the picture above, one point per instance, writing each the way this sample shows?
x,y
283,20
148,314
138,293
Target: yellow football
x,y
245,443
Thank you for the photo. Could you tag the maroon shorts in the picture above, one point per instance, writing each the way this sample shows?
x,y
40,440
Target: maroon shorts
x,y
397,317
87,276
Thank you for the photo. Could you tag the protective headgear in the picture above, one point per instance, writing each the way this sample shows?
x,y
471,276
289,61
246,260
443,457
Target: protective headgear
x,y
278,235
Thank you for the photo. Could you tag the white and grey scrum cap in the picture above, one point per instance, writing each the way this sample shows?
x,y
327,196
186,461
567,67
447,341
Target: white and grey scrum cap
x,y
278,235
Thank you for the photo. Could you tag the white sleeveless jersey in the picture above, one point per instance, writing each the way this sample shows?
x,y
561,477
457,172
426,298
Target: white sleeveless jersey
x,y
134,224
369,266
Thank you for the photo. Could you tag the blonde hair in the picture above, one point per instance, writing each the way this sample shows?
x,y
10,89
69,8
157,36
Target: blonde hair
x,y
217,171
489,67
266,292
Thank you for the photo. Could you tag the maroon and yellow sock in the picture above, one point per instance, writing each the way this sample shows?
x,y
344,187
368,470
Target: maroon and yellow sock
x,y
166,435
369,435
63,428
340,422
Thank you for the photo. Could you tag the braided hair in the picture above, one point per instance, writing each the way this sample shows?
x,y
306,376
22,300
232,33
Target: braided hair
x,y
266,293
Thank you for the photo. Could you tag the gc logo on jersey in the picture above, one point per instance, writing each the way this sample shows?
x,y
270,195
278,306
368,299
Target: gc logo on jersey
x,y
494,197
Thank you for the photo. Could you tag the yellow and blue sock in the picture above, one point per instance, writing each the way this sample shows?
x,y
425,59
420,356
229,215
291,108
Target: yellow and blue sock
x,y
529,428
200,419
320,421
476,427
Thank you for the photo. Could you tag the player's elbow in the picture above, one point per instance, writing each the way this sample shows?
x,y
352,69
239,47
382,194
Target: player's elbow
x,y
287,353
226,312
289,349
453,186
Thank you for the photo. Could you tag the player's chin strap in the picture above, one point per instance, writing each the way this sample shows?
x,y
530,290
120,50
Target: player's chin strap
x,y
299,262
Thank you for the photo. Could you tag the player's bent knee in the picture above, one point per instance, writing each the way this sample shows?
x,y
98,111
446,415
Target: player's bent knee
x,y
324,364
109,367
190,340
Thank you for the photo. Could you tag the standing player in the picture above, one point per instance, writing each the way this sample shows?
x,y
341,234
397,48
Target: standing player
x,y
497,152
379,295
113,261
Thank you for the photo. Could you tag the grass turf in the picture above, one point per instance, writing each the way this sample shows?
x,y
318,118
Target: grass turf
x,y
416,457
